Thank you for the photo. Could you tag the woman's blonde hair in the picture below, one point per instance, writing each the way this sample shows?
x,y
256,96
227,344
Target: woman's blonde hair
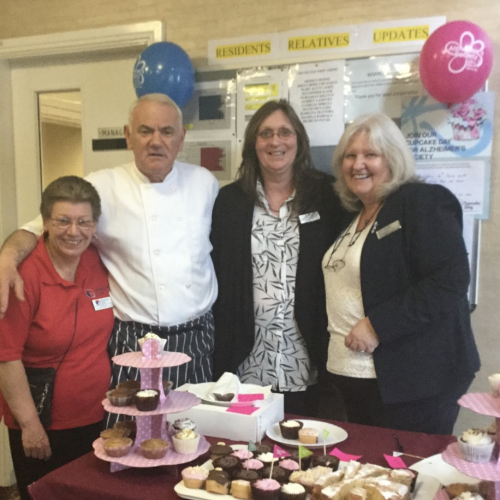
x,y
385,137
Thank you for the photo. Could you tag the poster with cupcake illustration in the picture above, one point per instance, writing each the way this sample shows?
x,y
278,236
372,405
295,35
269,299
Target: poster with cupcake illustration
x,y
438,131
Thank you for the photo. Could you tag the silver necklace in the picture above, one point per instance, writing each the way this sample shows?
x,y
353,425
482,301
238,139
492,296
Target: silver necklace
x,y
339,264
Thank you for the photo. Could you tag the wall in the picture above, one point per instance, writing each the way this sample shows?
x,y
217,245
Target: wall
x,y
194,22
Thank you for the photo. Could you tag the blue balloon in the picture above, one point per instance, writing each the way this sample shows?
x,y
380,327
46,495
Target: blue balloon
x,y
164,68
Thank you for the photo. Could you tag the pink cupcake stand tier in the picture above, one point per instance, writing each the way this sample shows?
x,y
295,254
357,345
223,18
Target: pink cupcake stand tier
x,y
485,404
152,424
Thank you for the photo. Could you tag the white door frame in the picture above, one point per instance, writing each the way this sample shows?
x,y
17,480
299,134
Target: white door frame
x,y
107,39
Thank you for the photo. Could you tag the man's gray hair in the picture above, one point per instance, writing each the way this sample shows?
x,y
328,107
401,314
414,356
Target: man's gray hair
x,y
162,99
384,137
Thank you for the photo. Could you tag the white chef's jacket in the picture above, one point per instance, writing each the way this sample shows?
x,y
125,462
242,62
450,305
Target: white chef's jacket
x,y
154,240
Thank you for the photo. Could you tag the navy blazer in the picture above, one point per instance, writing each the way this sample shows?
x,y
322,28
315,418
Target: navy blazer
x,y
414,284
232,258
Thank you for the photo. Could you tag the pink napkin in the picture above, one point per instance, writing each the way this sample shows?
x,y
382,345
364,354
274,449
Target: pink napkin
x,y
344,456
395,462
242,410
245,398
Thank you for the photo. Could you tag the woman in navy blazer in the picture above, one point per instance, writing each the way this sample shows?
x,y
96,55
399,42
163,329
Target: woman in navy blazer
x,y
401,346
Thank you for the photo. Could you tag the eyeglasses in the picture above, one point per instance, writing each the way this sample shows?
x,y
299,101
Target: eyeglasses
x,y
65,223
282,133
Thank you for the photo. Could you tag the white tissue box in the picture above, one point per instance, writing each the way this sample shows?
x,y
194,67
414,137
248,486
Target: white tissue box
x,y
215,421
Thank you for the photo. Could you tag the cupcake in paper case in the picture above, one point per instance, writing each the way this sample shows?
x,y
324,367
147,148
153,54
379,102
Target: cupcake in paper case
x,y
308,435
184,423
186,441
266,489
241,489
292,491
154,448
147,399
476,446
117,447
290,428
151,335
194,477
466,120
242,454
494,381
120,396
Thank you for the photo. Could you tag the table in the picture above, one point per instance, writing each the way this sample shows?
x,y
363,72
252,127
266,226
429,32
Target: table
x,y
88,478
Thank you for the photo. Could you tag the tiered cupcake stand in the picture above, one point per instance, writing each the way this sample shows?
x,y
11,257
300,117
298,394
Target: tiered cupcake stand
x,y
152,424
486,404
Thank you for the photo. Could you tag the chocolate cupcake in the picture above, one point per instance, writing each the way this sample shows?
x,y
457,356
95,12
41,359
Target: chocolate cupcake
x,y
325,461
289,466
128,425
267,458
218,481
167,386
246,474
279,474
292,491
183,423
290,428
120,397
253,464
242,454
133,385
147,399
219,450
262,448
266,489
227,463
304,462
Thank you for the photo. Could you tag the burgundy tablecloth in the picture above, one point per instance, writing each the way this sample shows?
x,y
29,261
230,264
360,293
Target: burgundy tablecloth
x,y
89,478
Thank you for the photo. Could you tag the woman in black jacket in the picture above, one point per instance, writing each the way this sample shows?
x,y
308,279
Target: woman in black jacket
x,y
270,230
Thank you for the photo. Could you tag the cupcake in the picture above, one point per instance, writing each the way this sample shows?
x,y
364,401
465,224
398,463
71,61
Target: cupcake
x,y
292,491
133,385
147,399
246,474
120,396
304,462
266,458
241,489
289,466
253,464
218,481
117,447
476,446
325,461
219,450
242,454
266,489
114,433
183,423
227,463
262,448
290,428
186,441
128,425
167,386
154,448
151,335
194,477
278,474
308,435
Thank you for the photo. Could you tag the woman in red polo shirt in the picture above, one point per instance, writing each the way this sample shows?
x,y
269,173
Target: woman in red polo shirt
x,y
64,323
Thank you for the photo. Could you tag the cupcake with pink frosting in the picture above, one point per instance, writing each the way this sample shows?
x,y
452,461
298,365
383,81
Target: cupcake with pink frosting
x,y
266,489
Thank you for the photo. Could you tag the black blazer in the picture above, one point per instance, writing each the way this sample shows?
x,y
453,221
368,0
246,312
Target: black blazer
x,y
232,258
414,284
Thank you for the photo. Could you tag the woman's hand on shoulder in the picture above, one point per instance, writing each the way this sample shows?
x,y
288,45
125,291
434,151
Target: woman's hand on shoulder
x,y
362,337
35,442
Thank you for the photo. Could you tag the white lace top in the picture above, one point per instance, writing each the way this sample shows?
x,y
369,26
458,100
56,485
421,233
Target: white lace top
x,y
344,303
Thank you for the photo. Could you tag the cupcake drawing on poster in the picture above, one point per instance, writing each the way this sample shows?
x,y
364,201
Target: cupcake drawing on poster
x,y
466,120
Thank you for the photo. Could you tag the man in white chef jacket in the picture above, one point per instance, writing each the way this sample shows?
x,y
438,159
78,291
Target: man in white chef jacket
x,y
153,236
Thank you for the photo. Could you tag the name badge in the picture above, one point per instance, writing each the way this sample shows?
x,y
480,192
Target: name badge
x,y
389,229
305,218
104,303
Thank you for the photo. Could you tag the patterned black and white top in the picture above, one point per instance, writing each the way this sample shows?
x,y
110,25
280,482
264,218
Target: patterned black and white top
x,y
279,356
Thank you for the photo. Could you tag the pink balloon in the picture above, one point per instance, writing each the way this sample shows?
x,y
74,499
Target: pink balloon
x,y
455,61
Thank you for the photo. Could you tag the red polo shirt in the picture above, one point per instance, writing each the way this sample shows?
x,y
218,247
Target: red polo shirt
x,y
39,331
